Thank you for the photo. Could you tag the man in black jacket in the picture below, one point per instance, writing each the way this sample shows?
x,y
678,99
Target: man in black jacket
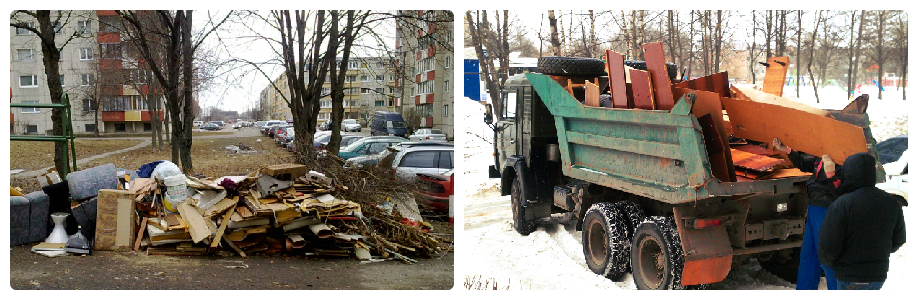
x,y
820,190
861,228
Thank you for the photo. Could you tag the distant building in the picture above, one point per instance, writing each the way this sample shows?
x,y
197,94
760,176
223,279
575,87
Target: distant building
x,y
425,53
95,70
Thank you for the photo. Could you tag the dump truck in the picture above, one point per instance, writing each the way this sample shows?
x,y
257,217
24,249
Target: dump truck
x,y
641,184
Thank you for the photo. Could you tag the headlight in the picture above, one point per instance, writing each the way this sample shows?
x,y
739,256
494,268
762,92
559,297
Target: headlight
x,y
782,207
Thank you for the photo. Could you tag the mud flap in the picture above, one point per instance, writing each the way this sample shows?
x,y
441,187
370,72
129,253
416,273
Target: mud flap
x,y
535,209
708,253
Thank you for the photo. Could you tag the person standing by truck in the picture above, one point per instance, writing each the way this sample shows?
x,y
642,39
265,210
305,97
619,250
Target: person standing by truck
x,y
821,191
862,228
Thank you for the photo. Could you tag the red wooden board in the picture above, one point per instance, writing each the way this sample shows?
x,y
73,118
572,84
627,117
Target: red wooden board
x,y
775,74
656,65
617,79
754,149
716,83
759,163
642,90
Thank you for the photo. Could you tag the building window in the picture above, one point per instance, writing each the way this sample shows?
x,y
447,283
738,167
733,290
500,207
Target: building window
x,y
445,110
353,65
28,81
90,127
84,27
111,50
446,86
147,127
86,53
30,110
31,129
120,127
364,78
379,103
62,80
57,27
351,78
380,90
447,63
25,55
23,31
380,77
86,79
364,91
89,105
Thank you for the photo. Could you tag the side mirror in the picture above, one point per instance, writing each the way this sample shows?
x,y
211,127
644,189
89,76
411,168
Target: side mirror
x,y
489,117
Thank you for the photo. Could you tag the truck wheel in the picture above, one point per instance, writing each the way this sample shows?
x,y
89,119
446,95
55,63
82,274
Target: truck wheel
x,y
642,65
783,264
632,216
571,66
656,255
605,240
605,100
520,224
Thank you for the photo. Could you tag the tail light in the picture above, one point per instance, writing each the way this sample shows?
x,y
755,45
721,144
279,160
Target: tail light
x,y
708,223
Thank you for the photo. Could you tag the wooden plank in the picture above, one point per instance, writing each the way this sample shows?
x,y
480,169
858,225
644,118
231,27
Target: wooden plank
x,y
656,65
799,130
236,248
617,79
755,149
710,103
220,231
755,162
784,173
715,147
718,83
775,75
143,228
642,90
591,94
197,225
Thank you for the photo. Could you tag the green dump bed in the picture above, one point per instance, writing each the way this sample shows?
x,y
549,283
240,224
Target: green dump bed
x,y
653,153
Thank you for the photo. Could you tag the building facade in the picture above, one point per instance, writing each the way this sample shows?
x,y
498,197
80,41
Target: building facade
x,y
424,47
95,71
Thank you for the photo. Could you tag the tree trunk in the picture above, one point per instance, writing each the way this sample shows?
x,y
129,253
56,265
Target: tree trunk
x,y
51,56
717,38
553,26
809,65
186,121
797,65
881,56
851,56
768,34
753,50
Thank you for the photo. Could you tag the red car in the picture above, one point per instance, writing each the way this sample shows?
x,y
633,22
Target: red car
x,y
436,191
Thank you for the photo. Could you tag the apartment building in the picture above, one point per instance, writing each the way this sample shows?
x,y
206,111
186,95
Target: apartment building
x,y
424,44
95,71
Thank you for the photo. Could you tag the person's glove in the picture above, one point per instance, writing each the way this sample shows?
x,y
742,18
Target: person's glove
x,y
828,163
778,145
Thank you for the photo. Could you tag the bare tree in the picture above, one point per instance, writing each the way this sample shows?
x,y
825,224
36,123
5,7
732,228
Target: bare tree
x,y
51,56
809,66
553,26
498,49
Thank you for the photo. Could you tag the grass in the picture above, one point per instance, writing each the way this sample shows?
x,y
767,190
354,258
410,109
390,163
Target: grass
x,y
28,155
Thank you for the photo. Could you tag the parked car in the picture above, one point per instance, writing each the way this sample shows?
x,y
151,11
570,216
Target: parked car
x,y
435,191
259,124
896,172
219,126
198,123
411,158
324,125
278,129
427,134
388,123
346,140
210,126
368,145
238,125
221,123
286,136
350,125
264,128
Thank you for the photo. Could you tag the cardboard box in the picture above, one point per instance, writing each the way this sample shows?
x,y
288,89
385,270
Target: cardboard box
x,y
115,221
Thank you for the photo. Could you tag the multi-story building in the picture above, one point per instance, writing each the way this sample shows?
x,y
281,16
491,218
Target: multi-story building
x,y
95,71
369,86
425,53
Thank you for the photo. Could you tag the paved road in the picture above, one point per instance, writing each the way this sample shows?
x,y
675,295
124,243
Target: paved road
x,y
127,270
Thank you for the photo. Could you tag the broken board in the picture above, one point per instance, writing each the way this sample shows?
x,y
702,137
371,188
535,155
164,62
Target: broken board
x,y
656,65
759,96
717,83
709,103
799,130
617,79
754,162
775,75
642,90
591,94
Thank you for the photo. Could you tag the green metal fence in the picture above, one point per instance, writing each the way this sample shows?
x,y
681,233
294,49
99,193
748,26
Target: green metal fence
x,y
67,129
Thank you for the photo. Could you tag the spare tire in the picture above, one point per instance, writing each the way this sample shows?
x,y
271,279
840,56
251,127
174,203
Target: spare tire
x,y
571,66
642,65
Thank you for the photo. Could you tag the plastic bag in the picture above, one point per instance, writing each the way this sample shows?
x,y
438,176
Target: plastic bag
x,y
166,169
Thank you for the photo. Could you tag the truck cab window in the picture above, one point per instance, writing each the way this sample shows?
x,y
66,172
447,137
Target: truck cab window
x,y
509,106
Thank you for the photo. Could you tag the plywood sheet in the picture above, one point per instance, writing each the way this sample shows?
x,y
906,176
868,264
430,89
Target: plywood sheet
x,y
800,130
755,149
759,96
641,89
784,173
717,83
710,103
617,79
775,74
656,65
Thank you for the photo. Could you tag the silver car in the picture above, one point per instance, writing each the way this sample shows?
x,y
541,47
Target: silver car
x,y
425,134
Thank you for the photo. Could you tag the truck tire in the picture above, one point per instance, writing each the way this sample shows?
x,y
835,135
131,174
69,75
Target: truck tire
x,y
571,66
783,266
656,255
605,240
632,215
642,65
605,100
520,224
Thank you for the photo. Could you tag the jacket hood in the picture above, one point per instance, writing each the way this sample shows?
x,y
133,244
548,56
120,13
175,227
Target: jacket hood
x,y
859,171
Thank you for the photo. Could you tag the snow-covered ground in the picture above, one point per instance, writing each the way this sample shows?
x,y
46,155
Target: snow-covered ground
x,y
551,258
